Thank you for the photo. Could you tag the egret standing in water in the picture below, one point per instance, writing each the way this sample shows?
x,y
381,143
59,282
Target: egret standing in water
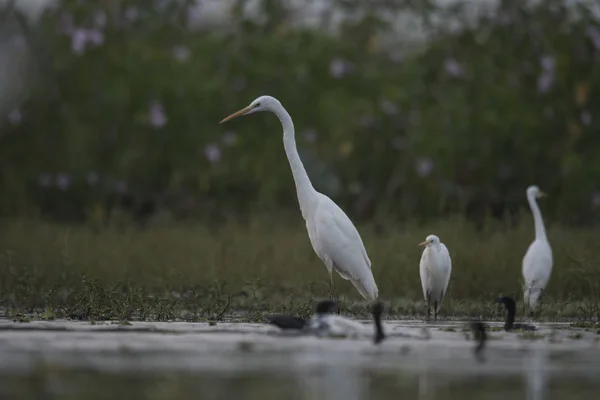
x,y
435,269
537,263
332,235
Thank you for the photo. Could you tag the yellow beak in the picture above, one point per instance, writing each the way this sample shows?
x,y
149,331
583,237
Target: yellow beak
x,y
542,194
423,243
236,114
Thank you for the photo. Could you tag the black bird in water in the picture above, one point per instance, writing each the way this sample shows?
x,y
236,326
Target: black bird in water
x,y
377,310
511,308
290,322
480,335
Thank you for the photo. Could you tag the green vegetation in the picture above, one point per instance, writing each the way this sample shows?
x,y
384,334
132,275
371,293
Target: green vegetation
x,y
242,270
460,124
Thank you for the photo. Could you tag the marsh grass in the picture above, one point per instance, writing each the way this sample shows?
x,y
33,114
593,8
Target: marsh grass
x,y
243,270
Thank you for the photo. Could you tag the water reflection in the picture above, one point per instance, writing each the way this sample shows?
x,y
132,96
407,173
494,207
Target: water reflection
x,y
536,376
195,363
331,383
334,383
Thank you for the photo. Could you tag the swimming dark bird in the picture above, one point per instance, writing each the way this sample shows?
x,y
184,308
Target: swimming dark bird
x,y
377,310
511,308
480,335
290,322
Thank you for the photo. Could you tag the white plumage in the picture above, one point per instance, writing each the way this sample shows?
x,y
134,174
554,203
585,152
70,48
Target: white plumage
x,y
537,262
435,269
332,235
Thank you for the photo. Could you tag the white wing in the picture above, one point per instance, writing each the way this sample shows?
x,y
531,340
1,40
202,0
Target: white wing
x,y
537,268
423,271
445,265
337,242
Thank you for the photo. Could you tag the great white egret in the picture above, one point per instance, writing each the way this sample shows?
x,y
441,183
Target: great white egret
x,y
332,235
435,268
511,310
537,262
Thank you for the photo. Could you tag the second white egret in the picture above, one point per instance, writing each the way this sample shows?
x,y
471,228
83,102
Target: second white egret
x,y
537,262
332,235
435,269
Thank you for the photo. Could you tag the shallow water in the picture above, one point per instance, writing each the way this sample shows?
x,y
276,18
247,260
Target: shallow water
x,y
181,360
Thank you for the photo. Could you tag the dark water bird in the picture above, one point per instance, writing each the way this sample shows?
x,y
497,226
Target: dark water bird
x,y
379,335
511,308
480,335
377,310
290,322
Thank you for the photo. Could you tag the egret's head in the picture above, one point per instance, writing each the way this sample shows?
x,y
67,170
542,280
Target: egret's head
x,y
262,103
534,191
430,241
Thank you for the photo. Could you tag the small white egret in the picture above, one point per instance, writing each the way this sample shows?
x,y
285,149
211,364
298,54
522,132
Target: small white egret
x,y
332,235
537,262
435,269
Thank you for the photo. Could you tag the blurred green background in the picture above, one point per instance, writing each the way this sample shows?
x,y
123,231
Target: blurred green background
x,y
403,109
416,117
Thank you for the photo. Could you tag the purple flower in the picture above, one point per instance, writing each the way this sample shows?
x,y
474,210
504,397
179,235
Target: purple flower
x,y
212,153
503,18
310,135
45,180
586,117
367,121
396,56
239,84
15,117
338,68
424,166
505,171
398,143
95,37
132,13
355,187
100,19
593,32
546,79
229,138
388,107
548,63
120,187
181,53
157,116
545,82
453,68
62,181
66,23
78,40
92,178
596,200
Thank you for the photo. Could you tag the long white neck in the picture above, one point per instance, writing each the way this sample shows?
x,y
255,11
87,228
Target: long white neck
x,y
304,188
540,231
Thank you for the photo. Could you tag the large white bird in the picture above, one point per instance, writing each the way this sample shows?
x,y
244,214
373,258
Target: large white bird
x,y
332,235
435,268
537,263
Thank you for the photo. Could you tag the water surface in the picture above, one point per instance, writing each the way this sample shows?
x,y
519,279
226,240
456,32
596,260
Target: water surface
x,y
65,359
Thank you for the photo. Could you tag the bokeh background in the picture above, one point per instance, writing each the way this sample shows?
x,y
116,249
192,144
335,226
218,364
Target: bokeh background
x,y
406,112
403,109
